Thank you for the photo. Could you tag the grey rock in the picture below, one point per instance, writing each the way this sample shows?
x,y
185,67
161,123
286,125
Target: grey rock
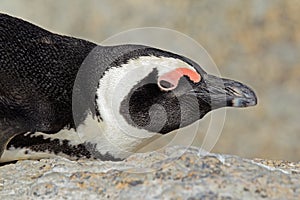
x,y
174,173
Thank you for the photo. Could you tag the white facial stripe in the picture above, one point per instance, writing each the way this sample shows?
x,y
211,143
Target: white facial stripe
x,y
163,64
120,80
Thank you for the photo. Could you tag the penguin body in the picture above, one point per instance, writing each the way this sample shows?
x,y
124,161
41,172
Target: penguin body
x,y
123,96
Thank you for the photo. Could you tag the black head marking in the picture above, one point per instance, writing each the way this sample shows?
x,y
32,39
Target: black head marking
x,y
170,108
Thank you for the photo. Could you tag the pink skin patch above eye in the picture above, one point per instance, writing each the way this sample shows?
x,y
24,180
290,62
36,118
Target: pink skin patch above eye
x,y
169,81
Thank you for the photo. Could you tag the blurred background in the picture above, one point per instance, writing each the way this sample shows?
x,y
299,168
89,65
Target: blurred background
x,y
256,42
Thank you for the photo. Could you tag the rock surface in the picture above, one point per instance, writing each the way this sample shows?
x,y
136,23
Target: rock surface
x,y
175,173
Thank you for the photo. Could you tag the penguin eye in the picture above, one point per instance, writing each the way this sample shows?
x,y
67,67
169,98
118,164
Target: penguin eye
x,y
165,84
169,80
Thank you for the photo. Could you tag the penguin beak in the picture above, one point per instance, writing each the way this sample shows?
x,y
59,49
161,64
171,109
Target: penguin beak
x,y
220,92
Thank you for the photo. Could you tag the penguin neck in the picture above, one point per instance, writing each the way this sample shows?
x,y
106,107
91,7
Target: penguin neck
x,y
111,139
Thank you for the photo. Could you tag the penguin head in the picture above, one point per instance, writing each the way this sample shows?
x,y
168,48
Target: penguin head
x,y
146,92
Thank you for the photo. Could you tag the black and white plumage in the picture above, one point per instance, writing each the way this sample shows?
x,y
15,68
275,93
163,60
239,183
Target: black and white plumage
x,y
124,96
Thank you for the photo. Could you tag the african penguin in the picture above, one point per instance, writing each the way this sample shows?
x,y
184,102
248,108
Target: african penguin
x,y
63,96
